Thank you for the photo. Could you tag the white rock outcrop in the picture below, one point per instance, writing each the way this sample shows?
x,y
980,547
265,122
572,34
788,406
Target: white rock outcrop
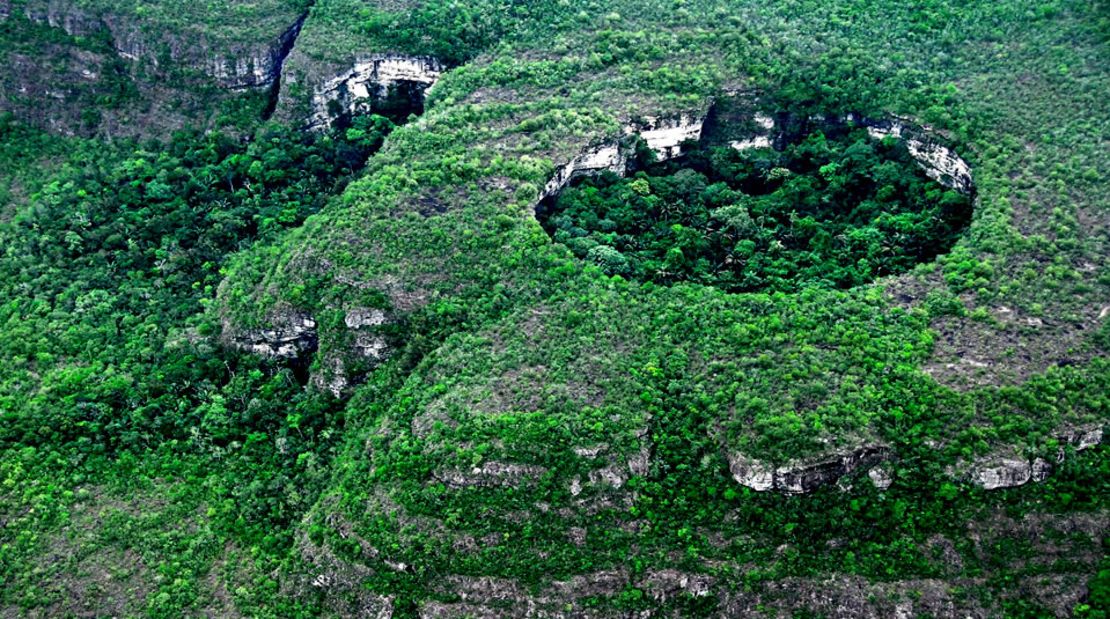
x,y
368,343
766,125
664,135
359,318
938,161
801,477
371,78
881,476
609,157
1001,470
759,141
1083,438
755,474
994,473
290,336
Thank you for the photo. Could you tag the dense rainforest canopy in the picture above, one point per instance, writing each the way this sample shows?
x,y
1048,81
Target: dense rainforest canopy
x,y
497,349
826,212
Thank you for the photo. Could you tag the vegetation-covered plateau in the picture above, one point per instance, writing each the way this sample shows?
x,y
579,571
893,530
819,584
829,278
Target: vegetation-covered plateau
x,y
539,308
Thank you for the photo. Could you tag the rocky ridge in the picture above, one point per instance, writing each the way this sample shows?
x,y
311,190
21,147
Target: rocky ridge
x,y
290,336
253,64
664,135
803,477
994,471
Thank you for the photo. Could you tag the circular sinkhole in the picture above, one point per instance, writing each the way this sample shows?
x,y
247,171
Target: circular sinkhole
x,y
824,203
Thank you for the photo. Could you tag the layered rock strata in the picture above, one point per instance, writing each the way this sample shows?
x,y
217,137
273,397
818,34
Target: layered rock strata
x,y
802,477
372,79
240,66
1001,470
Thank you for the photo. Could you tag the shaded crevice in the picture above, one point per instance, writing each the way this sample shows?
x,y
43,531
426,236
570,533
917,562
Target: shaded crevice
x,y
389,85
288,41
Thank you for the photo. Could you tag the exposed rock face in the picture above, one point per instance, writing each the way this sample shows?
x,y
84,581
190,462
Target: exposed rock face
x,y
993,473
1083,438
616,473
766,124
291,335
245,66
609,157
759,141
167,70
491,474
881,476
262,68
755,474
998,471
358,318
663,135
938,161
330,376
800,478
666,135
368,342
372,78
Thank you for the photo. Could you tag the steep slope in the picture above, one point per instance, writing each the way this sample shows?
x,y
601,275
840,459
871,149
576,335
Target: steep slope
x,y
140,68
710,393
229,392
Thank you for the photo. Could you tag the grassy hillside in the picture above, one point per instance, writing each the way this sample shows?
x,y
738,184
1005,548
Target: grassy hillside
x,y
546,435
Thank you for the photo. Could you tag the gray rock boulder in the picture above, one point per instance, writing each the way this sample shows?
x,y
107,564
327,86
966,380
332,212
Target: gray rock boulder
x,y
1002,470
801,477
290,335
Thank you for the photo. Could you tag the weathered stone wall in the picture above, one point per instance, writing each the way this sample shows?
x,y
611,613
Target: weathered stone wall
x,y
244,65
939,161
663,135
369,78
802,477
290,335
